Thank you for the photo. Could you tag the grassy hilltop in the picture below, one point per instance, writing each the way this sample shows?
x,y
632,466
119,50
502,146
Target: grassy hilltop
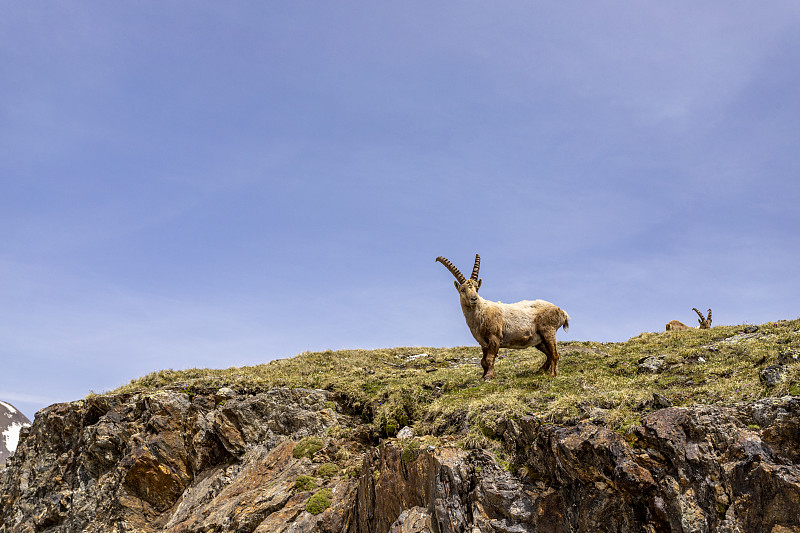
x,y
440,390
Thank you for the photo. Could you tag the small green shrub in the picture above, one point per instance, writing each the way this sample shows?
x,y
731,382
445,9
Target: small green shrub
x,y
307,447
304,483
402,418
505,465
410,452
327,470
320,501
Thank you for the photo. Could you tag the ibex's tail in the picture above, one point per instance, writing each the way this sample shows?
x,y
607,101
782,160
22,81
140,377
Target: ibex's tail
x,y
565,326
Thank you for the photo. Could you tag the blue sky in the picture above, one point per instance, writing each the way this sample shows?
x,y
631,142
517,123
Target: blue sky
x,y
208,184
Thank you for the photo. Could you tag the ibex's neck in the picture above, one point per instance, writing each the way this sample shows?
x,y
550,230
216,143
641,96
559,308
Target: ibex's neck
x,y
477,317
473,312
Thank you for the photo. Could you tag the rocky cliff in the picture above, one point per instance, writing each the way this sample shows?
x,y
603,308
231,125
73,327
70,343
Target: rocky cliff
x,y
295,460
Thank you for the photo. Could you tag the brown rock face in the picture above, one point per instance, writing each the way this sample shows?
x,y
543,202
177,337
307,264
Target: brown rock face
x,y
164,461
175,462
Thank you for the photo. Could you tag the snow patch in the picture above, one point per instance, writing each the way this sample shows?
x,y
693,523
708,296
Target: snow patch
x,y
9,407
11,436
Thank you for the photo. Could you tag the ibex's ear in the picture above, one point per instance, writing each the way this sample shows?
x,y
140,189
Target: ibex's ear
x,y
458,287
479,283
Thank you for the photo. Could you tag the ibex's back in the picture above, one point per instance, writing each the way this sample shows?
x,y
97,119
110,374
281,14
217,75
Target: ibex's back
x,y
676,325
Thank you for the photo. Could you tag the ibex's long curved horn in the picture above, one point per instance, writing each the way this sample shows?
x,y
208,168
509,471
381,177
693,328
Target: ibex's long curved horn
x,y
453,270
476,268
704,322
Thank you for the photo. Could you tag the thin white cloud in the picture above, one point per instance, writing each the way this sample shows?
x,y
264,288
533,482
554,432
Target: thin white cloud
x,y
17,397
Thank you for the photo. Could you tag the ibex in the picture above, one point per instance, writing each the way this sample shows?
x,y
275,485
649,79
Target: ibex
x,y
497,325
705,322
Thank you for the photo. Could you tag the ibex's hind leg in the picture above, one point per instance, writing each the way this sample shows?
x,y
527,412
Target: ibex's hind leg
x,y
548,358
550,344
548,347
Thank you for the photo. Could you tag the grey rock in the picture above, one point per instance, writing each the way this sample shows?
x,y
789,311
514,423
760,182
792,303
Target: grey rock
x,y
660,401
786,357
405,433
652,365
414,520
772,375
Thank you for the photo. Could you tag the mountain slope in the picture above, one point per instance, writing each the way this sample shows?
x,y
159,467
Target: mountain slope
x,y
11,423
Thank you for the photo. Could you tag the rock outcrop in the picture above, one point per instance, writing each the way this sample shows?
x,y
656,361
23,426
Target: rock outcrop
x,y
293,460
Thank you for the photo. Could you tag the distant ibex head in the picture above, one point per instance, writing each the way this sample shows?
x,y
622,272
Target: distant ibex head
x,y
467,288
705,322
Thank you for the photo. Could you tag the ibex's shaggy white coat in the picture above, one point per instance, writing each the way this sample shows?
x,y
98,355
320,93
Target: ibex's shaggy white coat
x,y
705,322
497,325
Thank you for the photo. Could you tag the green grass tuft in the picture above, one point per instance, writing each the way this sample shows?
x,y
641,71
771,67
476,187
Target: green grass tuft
x,y
304,483
320,501
307,447
328,470
410,452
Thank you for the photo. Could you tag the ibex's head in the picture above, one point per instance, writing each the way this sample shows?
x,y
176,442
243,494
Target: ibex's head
x,y
467,288
705,322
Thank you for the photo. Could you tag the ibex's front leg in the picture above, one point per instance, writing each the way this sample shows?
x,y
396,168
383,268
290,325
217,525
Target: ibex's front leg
x,y
490,350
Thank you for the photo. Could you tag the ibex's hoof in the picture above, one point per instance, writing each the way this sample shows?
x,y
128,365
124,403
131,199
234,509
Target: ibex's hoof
x,y
488,376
